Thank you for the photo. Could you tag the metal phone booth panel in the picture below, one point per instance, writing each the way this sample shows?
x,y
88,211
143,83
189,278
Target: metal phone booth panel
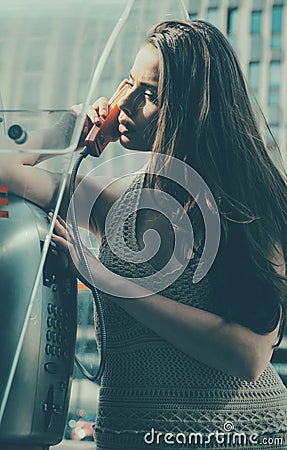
x,y
49,61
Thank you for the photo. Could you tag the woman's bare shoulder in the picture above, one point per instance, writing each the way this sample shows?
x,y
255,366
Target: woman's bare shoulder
x,y
108,188
104,192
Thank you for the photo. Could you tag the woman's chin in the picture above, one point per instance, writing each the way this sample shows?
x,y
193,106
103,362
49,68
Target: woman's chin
x,y
130,144
125,141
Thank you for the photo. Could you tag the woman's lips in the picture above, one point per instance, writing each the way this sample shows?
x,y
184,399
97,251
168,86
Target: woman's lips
x,y
123,128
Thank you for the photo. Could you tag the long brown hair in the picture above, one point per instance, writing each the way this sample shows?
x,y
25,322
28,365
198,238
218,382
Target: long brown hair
x,y
206,120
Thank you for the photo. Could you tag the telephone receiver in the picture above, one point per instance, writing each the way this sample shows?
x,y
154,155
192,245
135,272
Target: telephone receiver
x,y
100,136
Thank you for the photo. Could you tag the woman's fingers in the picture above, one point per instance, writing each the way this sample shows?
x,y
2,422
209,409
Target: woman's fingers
x,y
101,107
64,237
62,223
62,242
99,111
62,229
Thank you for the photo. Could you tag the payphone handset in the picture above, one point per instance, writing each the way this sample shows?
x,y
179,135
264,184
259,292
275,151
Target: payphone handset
x,y
99,137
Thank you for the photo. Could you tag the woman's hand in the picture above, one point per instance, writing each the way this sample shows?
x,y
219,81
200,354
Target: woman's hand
x,y
84,270
96,114
100,109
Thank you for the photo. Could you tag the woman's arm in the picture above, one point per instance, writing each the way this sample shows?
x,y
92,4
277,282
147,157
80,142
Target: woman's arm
x,y
18,172
207,337
202,335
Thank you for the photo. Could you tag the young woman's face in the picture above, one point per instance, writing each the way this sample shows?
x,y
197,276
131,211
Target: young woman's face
x,y
138,108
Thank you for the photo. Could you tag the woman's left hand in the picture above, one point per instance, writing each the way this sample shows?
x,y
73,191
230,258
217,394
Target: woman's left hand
x,y
91,272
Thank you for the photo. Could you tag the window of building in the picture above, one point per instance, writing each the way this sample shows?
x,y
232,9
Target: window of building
x,y
277,13
253,75
42,26
232,20
273,98
2,47
31,91
256,19
212,16
275,130
275,75
274,83
35,60
192,15
5,25
232,25
276,38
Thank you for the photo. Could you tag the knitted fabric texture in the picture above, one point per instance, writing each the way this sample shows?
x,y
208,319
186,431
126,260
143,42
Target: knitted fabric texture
x,y
149,387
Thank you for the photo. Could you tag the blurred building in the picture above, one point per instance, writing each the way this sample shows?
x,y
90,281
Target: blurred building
x,y
257,29
47,56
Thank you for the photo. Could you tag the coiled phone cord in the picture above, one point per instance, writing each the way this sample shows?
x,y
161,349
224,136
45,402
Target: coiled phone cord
x,y
98,303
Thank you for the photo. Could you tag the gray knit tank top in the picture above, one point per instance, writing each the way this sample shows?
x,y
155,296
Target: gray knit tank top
x,y
154,396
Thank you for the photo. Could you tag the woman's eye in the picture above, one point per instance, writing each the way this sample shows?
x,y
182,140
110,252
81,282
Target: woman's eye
x,y
151,96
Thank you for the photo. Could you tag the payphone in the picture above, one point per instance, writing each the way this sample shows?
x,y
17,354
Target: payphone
x,y
37,404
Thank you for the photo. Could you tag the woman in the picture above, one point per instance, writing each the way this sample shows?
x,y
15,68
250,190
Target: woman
x,y
188,363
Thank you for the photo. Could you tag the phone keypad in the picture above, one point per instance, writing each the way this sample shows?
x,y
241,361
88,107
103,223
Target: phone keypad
x,y
58,330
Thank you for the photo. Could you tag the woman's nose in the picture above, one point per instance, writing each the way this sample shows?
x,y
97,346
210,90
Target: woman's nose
x,y
127,102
